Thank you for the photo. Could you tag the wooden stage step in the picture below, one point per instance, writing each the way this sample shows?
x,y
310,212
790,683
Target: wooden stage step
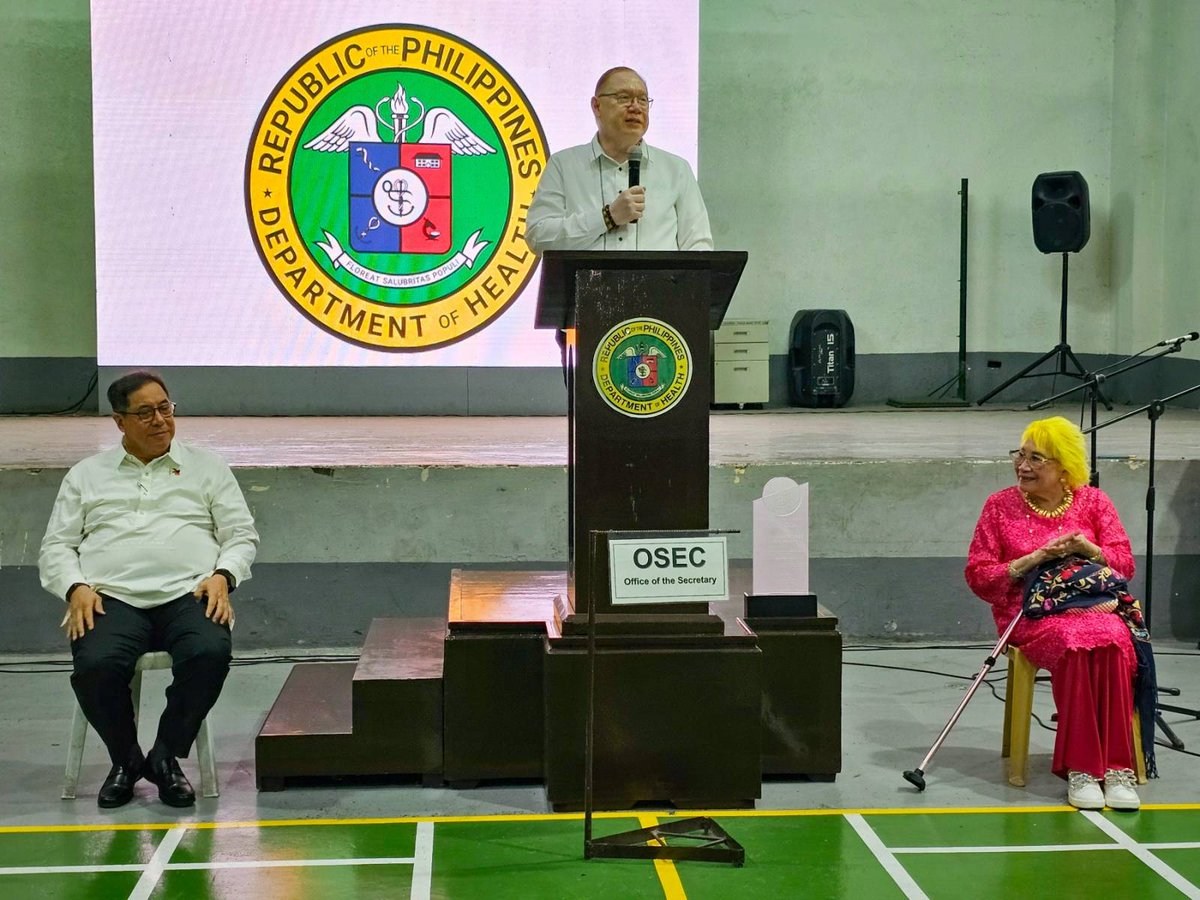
x,y
691,717
334,719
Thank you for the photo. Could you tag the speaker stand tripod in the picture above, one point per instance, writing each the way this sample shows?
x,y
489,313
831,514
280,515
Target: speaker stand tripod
x,y
1061,351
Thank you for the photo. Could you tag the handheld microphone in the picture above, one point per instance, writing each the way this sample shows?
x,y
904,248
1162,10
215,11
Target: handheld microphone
x,y
635,165
1190,336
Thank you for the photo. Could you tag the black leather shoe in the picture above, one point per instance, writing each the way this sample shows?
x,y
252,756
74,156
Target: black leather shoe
x,y
173,787
117,789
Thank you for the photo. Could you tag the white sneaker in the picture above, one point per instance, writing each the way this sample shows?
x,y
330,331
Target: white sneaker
x,y
1119,790
1083,791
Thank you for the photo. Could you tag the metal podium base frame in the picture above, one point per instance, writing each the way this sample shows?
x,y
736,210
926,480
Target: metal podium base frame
x,y
699,839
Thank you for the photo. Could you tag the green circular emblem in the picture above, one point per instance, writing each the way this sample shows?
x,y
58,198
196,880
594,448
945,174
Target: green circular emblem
x,y
387,180
642,367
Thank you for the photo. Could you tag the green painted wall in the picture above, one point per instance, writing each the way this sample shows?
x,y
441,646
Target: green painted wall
x,y
47,242
1181,169
833,137
852,123
1156,153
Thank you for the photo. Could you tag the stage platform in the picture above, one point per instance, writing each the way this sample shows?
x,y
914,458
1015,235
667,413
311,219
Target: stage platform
x,y
496,691
365,517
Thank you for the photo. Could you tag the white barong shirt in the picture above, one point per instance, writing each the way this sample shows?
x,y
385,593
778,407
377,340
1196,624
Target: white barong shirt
x,y
146,534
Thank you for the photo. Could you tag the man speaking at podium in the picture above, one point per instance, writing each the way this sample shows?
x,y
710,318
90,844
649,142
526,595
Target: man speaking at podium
x,y
617,193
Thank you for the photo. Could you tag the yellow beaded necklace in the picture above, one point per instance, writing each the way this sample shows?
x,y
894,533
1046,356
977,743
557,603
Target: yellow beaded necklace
x,y
1055,513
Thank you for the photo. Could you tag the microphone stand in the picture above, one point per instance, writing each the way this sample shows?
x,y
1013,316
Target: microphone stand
x,y
1091,384
1154,410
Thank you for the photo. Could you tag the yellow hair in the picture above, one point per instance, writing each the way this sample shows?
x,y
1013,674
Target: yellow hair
x,y
1061,440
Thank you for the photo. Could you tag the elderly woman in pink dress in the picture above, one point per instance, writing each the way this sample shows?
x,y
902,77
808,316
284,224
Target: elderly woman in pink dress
x,y
1052,513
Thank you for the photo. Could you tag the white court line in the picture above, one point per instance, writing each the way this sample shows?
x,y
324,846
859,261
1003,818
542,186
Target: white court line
x,y
289,863
1121,837
71,870
1046,848
422,877
1020,848
889,862
154,869
200,866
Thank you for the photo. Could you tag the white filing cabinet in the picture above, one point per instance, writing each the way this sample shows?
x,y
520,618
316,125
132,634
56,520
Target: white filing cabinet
x,y
741,362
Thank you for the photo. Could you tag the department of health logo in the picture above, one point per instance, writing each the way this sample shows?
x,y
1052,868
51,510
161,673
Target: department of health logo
x,y
642,367
387,182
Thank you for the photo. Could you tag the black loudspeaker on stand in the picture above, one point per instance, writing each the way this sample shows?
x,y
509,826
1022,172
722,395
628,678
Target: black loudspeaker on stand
x,y
821,358
1062,221
1061,224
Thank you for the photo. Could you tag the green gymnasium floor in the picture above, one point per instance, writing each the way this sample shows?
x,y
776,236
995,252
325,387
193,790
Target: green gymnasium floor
x,y
1046,852
869,834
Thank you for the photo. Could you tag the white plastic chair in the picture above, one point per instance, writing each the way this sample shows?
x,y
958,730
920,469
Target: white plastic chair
x,y
79,728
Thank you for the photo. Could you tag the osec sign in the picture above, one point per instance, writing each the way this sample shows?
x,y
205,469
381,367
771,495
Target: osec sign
x,y
675,570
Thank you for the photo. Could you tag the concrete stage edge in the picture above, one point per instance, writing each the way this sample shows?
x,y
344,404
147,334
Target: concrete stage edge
x,y
366,517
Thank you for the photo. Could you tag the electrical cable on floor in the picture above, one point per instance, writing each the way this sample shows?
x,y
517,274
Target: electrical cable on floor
x,y
871,648
70,410
911,669
1167,744
990,682
58,666
271,660
64,665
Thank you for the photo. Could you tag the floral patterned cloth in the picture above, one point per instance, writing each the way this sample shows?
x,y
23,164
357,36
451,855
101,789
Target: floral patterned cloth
x,y
1075,584
1008,529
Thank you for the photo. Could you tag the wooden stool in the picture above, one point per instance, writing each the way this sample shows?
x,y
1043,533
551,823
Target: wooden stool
x,y
1018,714
79,728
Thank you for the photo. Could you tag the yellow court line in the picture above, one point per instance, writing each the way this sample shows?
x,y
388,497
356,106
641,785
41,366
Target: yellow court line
x,y
1170,806
552,817
292,823
869,811
668,877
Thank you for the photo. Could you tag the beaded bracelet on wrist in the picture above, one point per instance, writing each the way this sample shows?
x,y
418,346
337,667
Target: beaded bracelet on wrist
x,y
609,224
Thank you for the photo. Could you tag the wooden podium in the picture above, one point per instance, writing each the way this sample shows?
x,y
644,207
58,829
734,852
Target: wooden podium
x,y
690,709
639,379
638,447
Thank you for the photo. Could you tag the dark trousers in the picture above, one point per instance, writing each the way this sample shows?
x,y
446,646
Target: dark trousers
x,y
105,658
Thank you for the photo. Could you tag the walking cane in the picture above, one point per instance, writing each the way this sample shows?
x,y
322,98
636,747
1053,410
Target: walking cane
x,y
916,776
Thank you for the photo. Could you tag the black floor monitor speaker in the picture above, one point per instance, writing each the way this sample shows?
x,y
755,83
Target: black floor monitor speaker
x,y
821,358
1061,212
